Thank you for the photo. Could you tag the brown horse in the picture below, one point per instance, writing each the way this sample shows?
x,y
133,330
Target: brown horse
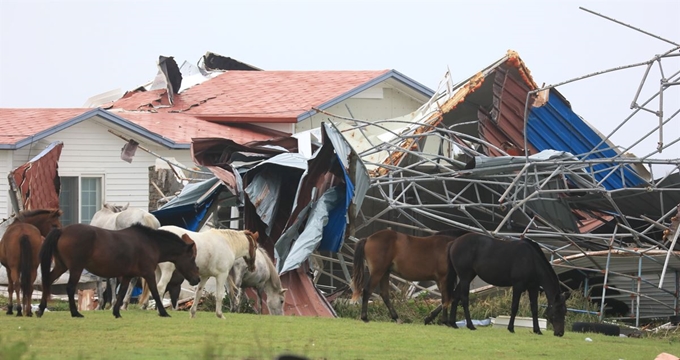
x,y
127,253
19,249
411,257
520,264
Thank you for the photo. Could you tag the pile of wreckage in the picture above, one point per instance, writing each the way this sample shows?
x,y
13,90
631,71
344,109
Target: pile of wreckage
x,y
494,154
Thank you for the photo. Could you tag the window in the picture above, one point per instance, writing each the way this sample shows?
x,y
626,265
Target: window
x,y
80,198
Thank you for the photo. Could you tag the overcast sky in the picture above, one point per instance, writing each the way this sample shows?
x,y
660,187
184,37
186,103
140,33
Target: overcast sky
x,y
59,53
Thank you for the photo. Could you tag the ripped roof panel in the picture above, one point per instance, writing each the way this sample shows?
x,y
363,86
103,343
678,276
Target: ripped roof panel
x,y
37,181
554,125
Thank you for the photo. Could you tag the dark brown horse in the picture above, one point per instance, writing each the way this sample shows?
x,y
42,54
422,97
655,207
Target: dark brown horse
x,y
19,249
411,257
126,253
520,264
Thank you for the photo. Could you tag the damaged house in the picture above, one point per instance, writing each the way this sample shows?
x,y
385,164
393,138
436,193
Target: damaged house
x,y
219,98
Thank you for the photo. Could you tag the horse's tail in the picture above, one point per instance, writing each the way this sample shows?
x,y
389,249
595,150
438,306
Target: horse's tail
x,y
46,252
26,265
358,271
451,275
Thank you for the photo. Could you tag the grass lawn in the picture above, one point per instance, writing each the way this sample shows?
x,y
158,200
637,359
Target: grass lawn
x,y
144,335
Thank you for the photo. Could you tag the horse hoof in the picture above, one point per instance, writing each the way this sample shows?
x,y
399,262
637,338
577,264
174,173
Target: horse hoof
x,y
77,315
538,332
472,328
511,330
9,312
164,315
29,315
364,319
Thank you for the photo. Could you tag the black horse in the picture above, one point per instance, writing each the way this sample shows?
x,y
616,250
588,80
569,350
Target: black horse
x,y
520,264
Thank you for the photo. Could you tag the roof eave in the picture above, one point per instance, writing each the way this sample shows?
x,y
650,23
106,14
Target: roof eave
x,y
98,112
392,74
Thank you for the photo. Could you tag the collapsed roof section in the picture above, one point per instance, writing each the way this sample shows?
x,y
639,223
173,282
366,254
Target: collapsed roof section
x,y
298,203
462,160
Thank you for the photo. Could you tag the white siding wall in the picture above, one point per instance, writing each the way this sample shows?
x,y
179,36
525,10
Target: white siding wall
x,y
392,104
5,168
89,149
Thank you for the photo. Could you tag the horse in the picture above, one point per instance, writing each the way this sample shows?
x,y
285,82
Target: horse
x,y
264,278
19,249
127,253
216,252
520,264
412,258
116,217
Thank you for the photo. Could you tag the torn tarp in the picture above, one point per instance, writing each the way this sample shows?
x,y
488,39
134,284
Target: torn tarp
x,y
189,208
36,183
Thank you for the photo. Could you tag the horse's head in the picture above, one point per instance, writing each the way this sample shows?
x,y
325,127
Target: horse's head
x,y
45,220
252,249
186,263
556,312
275,302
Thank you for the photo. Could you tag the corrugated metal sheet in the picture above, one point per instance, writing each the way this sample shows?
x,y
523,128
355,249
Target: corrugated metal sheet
x,y
555,126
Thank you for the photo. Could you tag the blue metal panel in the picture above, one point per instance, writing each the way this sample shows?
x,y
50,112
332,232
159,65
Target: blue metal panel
x,y
555,126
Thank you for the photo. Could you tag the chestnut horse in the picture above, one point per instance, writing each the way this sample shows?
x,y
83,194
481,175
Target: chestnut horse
x,y
412,258
520,264
127,253
19,249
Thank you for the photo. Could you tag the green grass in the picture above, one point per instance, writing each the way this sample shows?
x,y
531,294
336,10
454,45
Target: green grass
x,y
143,335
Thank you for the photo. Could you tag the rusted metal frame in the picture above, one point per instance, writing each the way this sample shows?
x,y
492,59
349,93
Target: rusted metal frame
x,y
606,274
633,113
648,134
645,236
668,256
514,182
621,216
464,211
568,238
664,146
629,26
411,218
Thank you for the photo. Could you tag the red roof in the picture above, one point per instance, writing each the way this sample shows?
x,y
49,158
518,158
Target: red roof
x,y
253,96
20,124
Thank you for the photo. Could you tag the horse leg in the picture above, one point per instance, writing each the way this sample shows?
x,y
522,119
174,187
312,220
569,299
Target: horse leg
x,y
197,296
74,277
101,288
385,294
150,281
113,282
517,291
174,295
128,293
533,300
124,283
220,288
10,292
57,271
258,291
372,282
433,314
28,311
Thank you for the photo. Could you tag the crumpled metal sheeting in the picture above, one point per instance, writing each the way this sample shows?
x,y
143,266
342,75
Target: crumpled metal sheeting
x,y
38,180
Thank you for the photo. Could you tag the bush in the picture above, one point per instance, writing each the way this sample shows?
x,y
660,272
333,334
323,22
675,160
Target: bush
x,y
415,310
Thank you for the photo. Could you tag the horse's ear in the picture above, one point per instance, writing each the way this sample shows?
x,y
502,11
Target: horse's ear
x,y
283,291
566,295
125,207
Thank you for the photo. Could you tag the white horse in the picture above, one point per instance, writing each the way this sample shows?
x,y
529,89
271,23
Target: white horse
x,y
113,217
264,278
216,253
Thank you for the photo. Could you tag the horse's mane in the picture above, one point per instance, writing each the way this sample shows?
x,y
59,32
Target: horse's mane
x,y
273,274
30,213
544,262
159,235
